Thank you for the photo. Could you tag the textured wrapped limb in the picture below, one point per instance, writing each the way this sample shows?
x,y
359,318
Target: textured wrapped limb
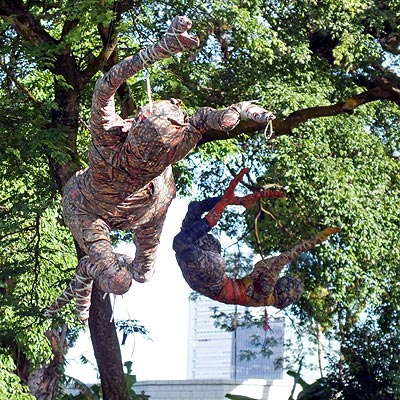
x,y
176,40
80,288
208,119
251,200
147,238
263,286
214,215
109,268
251,111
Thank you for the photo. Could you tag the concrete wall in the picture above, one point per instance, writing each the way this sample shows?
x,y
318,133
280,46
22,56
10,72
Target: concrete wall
x,y
201,389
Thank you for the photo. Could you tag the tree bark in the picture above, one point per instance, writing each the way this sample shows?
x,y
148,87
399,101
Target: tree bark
x,y
106,347
43,380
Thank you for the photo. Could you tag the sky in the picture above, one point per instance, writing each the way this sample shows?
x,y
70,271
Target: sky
x,y
161,305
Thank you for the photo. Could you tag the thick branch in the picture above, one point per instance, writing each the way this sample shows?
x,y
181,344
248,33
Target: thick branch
x,y
14,12
294,120
100,60
108,35
25,24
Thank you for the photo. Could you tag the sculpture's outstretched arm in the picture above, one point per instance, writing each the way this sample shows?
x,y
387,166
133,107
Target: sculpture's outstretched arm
x,y
176,40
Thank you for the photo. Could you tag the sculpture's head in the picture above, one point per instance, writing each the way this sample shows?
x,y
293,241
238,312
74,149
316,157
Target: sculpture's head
x,y
169,109
288,290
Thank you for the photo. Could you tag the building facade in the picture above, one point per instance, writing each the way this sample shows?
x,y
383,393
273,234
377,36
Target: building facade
x,y
217,354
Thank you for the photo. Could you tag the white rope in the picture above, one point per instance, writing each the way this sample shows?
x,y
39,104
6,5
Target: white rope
x,y
149,56
176,33
113,308
166,49
148,86
271,130
134,345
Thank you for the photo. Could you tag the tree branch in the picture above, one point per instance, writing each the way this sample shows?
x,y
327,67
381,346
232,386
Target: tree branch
x,y
108,35
14,12
17,83
286,126
207,94
100,60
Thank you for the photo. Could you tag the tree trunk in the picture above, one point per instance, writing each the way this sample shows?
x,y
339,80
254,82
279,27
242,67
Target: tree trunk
x,y
43,380
103,333
65,119
106,347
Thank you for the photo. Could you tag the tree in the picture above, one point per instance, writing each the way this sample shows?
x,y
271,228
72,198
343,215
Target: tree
x,y
304,60
371,364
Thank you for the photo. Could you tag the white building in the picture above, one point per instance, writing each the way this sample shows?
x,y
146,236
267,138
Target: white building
x,y
216,354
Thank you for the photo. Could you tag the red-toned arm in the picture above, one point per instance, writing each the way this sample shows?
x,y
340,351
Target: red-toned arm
x,y
214,215
229,198
251,200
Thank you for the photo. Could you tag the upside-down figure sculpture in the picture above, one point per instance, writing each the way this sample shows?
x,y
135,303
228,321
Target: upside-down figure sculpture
x,y
199,256
128,184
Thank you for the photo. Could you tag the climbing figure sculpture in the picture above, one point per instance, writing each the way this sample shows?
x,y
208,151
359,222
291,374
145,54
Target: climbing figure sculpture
x,y
198,254
128,184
